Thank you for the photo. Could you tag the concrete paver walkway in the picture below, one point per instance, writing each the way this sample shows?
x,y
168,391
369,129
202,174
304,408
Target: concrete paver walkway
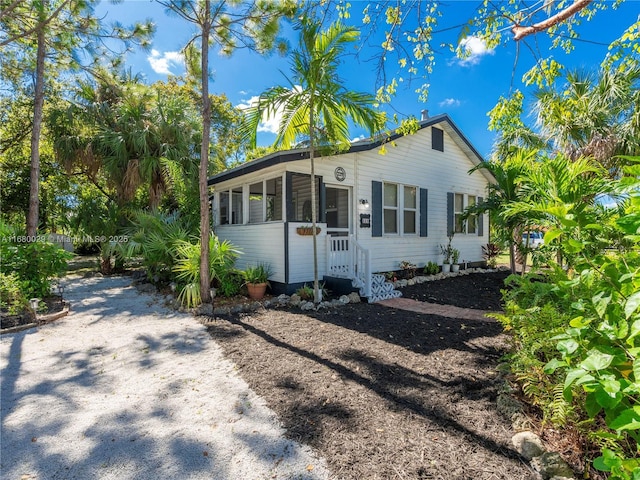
x,y
435,309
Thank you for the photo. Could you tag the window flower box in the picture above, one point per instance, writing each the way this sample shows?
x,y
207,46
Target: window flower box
x,y
306,230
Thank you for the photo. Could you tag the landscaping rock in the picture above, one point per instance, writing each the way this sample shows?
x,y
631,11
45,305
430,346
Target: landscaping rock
x,y
221,311
344,299
551,464
236,309
508,406
528,444
146,288
306,306
204,309
354,297
283,299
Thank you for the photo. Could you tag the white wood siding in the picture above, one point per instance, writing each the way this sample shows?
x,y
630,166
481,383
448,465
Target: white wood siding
x,y
260,243
301,253
413,162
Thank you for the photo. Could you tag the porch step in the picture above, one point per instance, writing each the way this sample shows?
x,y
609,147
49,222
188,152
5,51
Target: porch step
x,y
380,288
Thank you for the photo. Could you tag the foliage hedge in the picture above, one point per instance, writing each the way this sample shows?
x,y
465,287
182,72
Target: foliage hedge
x,y
576,325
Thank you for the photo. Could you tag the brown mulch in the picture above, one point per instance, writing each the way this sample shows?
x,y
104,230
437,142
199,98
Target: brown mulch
x,y
384,393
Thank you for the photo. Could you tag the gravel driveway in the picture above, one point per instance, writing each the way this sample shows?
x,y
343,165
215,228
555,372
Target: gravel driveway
x,y
124,388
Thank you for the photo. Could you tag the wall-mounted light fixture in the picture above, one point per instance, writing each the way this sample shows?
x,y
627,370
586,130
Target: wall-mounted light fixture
x,y
364,202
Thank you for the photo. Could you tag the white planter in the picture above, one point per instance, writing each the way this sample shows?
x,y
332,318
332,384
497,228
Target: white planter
x,y
455,267
446,267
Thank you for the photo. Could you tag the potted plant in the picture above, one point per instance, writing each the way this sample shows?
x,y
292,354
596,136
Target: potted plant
x,y
256,280
455,255
447,252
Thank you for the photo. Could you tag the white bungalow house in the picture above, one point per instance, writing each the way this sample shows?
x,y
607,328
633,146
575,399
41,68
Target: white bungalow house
x,y
374,210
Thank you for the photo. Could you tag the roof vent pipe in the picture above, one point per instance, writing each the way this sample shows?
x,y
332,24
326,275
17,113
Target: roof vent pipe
x,y
425,115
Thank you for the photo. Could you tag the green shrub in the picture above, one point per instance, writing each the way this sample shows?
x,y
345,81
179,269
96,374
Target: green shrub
x,y
305,292
12,298
35,265
222,258
155,237
431,268
576,329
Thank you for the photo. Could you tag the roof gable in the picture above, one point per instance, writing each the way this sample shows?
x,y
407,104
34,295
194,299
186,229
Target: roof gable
x,y
443,121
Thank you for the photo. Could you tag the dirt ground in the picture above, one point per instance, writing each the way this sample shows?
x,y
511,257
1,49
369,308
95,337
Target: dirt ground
x,y
383,393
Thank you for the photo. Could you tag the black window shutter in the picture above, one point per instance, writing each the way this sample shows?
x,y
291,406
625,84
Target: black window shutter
x,y
376,209
423,211
450,217
437,139
480,220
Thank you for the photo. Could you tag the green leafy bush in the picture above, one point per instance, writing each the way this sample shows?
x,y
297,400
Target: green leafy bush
x,y
222,258
155,238
35,264
580,322
431,268
305,292
12,298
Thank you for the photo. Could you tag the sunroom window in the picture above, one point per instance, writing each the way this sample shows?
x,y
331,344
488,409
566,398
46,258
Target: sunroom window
x,y
265,201
301,198
231,210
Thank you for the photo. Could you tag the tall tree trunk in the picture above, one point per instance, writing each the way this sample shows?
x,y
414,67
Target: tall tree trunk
x,y
205,281
317,297
34,187
518,253
512,252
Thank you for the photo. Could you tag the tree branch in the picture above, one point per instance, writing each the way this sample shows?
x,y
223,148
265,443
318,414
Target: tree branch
x,y
38,25
8,9
520,31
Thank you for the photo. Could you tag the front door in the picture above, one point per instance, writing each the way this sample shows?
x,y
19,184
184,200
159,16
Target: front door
x,y
338,211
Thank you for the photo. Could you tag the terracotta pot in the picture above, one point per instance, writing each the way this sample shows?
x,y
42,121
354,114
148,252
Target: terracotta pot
x,y
256,290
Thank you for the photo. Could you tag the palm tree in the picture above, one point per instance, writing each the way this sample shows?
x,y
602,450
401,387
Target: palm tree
x,y
559,194
505,191
593,115
316,105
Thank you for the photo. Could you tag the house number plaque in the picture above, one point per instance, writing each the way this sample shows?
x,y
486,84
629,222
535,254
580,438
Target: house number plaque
x,y
365,220
340,174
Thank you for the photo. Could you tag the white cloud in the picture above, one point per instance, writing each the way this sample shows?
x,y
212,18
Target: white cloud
x,y
358,138
268,124
162,62
450,102
476,48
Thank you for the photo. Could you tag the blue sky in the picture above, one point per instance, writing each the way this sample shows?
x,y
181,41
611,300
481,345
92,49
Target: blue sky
x,y
466,90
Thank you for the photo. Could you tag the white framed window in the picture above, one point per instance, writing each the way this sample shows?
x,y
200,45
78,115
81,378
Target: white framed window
x,y
390,208
400,209
410,210
265,201
461,202
231,207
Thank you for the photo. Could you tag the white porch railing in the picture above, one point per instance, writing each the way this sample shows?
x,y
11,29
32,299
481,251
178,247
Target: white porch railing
x,y
346,258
